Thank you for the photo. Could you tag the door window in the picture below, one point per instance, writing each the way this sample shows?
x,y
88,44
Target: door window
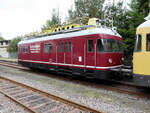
x,y
47,48
66,47
58,46
90,45
62,47
70,46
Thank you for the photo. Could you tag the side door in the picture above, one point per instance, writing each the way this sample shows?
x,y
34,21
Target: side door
x,y
90,53
68,52
25,52
47,50
60,51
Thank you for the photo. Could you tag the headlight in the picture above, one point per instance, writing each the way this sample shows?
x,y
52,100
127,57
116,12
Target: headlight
x,y
110,61
122,59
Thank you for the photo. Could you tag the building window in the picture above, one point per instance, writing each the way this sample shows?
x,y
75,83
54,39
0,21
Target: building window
x,y
66,47
138,43
70,48
90,45
47,48
62,47
25,49
148,42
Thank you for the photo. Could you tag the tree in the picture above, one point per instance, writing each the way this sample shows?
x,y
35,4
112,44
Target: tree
x,y
125,27
54,21
126,20
86,8
13,46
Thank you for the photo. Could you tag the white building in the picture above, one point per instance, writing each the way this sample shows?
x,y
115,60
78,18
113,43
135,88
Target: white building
x,y
3,48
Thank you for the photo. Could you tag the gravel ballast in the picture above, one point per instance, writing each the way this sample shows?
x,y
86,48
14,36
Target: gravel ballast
x,y
100,99
9,106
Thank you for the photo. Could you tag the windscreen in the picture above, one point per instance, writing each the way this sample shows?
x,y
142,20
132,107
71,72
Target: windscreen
x,y
138,43
109,45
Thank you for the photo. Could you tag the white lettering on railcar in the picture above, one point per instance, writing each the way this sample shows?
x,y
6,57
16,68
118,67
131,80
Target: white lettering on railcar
x,y
35,48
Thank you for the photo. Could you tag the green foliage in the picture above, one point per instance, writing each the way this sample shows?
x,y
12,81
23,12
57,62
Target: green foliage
x,y
13,46
126,20
1,38
55,20
86,8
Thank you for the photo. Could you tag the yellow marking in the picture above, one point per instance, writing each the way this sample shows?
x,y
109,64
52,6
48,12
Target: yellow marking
x,y
141,60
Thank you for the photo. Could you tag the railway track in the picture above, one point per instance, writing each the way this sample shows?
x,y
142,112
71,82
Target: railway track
x,y
37,101
119,87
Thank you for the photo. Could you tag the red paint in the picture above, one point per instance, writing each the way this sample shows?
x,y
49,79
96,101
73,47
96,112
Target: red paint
x,y
78,54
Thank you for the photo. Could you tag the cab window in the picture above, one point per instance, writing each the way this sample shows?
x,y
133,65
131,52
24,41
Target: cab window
x,y
138,43
120,46
111,45
100,45
148,42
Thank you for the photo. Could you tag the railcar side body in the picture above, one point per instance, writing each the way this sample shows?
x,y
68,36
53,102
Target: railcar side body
x,y
141,55
87,52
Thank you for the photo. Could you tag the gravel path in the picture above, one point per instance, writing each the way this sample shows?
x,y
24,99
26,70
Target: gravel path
x,y
8,106
103,100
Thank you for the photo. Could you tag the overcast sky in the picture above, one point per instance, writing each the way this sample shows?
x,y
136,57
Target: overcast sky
x,y
18,17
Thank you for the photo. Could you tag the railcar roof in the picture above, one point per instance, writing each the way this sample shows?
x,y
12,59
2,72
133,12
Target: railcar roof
x,y
73,34
144,25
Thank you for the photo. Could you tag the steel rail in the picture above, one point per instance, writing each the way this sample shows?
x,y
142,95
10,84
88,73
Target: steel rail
x,y
111,88
57,98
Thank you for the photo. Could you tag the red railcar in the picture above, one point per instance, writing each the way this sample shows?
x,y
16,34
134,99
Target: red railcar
x,y
88,52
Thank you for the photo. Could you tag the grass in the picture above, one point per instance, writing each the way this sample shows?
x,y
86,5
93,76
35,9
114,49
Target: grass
x,y
8,59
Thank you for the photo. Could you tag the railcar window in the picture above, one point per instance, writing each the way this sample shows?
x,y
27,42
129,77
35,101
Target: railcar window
x,y
90,45
18,49
66,47
148,42
25,49
70,47
120,45
58,46
47,48
138,44
112,45
62,47
100,46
